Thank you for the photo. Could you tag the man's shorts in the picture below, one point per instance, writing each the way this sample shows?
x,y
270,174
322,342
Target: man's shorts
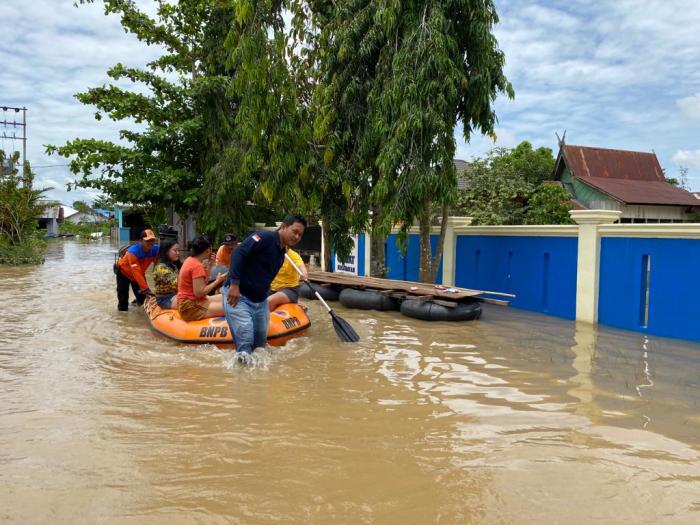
x,y
291,293
192,310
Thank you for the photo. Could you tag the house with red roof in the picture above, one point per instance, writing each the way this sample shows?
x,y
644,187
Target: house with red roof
x,y
630,181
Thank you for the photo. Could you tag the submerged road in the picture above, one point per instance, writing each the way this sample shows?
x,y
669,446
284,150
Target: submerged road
x,y
517,418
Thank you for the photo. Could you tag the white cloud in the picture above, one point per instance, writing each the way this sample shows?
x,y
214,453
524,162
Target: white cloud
x,y
49,51
613,73
688,158
690,106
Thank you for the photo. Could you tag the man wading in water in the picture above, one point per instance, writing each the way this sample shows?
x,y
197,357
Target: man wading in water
x,y
254,264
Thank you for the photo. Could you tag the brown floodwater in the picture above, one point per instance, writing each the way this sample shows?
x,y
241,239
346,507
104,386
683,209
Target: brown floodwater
x,y
517,418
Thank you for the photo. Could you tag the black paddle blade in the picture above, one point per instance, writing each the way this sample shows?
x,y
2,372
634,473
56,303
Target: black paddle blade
x,y
346,333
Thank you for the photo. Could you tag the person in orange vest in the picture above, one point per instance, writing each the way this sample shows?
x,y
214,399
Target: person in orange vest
x,y
131,270
223,255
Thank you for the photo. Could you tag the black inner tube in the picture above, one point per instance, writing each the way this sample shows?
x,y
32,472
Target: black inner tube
x,y
328,293
429,311
367,300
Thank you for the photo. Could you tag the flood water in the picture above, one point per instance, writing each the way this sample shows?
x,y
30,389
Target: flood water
x,y
517,418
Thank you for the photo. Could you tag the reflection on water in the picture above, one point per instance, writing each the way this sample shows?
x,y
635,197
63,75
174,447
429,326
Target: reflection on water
x,y
516,418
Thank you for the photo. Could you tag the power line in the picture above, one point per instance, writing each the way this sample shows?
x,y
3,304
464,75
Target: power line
x,y
14,124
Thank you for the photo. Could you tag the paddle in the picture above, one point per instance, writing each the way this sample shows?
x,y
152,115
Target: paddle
x,y
346,333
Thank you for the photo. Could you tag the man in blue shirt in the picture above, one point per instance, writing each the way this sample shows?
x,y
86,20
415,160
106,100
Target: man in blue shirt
x,y
254,264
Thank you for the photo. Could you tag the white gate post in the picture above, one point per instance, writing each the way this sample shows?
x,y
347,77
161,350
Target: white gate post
x,y
449,250
588,264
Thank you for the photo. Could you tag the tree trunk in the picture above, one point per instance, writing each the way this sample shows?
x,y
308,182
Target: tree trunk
x,y
424,271
326,243
377,265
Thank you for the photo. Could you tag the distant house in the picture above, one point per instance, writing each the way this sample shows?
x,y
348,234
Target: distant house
x,y
77,217
50,217
630,181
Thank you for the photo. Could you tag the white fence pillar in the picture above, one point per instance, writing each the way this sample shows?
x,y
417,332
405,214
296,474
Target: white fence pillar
x,y
449,251
323,249
588,268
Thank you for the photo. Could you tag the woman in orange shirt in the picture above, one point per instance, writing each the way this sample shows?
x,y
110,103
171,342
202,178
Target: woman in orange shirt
x,y
193,303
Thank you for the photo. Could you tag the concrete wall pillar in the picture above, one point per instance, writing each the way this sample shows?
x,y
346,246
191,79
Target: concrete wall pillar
x,y
368,253
323,249
588,265
449,252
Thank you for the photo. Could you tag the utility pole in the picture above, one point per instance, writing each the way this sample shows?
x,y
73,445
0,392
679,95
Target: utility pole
x,y
14,124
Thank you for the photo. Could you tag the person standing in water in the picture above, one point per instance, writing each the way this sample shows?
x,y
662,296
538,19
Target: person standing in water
x,y
254,264
131,270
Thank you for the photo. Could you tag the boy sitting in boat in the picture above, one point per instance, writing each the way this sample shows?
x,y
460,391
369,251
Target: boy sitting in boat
x,y
285,286
193,301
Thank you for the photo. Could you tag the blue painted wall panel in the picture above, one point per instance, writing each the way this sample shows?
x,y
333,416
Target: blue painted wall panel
x,y
124,235
406,268
361,255
540,271
673,285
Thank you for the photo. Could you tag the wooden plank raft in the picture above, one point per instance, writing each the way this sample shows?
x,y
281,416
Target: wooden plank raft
x,y
403,289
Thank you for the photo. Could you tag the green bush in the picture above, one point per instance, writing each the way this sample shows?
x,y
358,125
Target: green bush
x,y
549,204
20,209
29,251
84,230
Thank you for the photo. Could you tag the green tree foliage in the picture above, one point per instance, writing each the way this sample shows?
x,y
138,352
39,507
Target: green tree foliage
x,y
103,202
495,193
500,183
265,159
682,180
20,209
549,204
534,166
182,103
397,79
351,111
82,207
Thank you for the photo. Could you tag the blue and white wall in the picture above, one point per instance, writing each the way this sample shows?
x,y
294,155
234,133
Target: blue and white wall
x,y
642,277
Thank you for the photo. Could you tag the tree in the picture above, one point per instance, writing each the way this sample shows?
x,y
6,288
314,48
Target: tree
x,y
534,166
20,209
224,128
682,180
495,191
186,111
81,207
103,202
397,79
265,158
549,204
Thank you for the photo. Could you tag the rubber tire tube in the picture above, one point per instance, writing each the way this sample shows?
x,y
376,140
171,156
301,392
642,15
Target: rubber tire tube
x,y
429,311
327,292
367,300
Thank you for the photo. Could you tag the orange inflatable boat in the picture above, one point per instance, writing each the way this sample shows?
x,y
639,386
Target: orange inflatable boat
x,y
288,321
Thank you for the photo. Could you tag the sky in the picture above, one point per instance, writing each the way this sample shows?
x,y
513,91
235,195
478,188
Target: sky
x,y
620,74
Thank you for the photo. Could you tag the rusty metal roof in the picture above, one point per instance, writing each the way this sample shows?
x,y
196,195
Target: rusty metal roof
x,y
643,191
632,177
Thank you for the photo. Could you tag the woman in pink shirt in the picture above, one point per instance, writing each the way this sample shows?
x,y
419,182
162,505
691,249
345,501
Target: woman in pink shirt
x,y
193,301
